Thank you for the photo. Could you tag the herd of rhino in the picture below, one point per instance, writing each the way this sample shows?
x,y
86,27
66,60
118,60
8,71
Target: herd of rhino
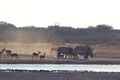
x,y
73,53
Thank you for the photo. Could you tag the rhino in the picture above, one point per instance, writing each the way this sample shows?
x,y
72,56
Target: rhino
x,y
83,50
65,52
68,52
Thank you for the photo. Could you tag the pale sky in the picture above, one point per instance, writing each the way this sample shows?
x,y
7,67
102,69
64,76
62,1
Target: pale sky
x,y
74,13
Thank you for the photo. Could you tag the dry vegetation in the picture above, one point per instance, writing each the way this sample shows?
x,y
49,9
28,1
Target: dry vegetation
x,y
106,50
25,48
103,54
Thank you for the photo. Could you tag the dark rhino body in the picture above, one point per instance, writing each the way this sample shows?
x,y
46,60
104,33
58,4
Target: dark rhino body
x,y
83,50
64,51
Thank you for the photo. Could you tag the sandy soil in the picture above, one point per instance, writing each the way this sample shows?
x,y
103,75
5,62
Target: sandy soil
x,y
27,59
58,76
103,54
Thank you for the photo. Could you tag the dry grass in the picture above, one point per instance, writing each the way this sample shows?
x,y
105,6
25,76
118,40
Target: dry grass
x,y
25,48
106,50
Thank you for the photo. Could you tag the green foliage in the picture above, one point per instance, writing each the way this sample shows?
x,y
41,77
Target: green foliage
x,y
94,35
5,25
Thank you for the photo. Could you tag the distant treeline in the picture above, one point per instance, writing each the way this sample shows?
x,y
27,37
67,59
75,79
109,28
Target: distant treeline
x,y
100,34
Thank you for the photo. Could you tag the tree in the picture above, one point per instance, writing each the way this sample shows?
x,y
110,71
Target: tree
x,y
6,26
104,27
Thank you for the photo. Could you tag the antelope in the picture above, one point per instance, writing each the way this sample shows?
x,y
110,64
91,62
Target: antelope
x,y
12,55
2,52
35,55
8,52
42,56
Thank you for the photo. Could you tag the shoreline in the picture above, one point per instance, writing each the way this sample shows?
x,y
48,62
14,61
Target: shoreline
x,y
104,62
53,71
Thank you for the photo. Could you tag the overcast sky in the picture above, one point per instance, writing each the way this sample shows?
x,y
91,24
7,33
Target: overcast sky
x,y
75,13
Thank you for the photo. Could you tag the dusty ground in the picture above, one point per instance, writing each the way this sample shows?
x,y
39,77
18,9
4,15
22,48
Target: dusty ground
x,y
58,76
103,54
27,59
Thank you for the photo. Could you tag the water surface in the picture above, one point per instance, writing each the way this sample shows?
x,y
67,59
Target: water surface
x,y
72,67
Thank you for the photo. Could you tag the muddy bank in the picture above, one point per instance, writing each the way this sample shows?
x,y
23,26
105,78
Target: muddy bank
x,y
27,59
20,61
59,76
